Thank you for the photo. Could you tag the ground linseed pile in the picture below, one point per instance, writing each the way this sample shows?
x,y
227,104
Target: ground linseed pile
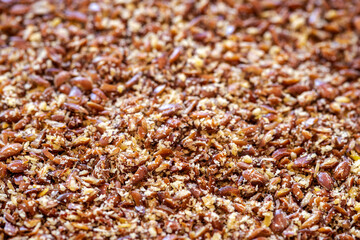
x,y
180,119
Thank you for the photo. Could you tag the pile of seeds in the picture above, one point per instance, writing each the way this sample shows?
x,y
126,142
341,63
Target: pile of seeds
x,y
180,119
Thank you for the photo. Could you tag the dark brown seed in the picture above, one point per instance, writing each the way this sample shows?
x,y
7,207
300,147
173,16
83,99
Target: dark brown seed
x,y
76,16
173,122
290,81
267,138
82,82
279,222
243,165
303,162
108,87
38,140
75,93
104,141
200,114
175,55
342,171
325,180
200,36
329,163
76,108
10,150
297,89
159,89
17,166
254,177
10,218
137,197
164,152
228,191
161,61
54,55
58,118
249,150
113,200
32,190
65,88
208,91
195,192
40,81
327,91
10,116
249,130
21,124
66,197
169,109
95,106
280,153
99,93
155,164
134,80
139,175
166,209
48,154
252,69
19,9
341,210
171,203
311,221
259,232
296,190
